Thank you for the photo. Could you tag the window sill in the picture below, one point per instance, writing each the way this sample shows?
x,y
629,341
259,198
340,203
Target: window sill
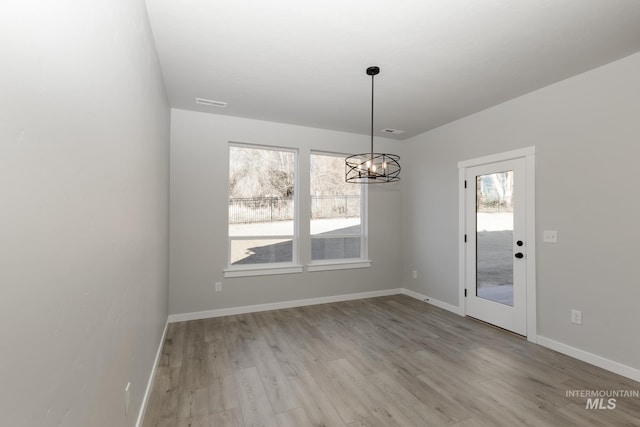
x,y
339,265
261,270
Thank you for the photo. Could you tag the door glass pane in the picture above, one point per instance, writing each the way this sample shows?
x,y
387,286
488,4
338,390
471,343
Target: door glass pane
x,y
494,237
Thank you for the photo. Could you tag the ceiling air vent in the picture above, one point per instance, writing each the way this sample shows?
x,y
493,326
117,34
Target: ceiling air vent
x,y
211,103
393,131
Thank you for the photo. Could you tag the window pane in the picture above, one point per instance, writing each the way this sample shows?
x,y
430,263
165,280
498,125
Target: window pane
x,y
335,210
261,185
335,248
261,251
261,204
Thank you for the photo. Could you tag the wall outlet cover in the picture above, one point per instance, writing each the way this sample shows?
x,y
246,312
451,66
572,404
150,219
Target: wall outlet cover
x,y
576,317
550,236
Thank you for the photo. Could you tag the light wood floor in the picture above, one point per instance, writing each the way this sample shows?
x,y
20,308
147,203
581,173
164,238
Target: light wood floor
x,y
380,362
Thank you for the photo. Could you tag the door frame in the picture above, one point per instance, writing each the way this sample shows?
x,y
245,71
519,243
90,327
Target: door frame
x,y
529,154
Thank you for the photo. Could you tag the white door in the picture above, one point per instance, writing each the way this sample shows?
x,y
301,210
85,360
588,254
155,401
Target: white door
x,y
496,246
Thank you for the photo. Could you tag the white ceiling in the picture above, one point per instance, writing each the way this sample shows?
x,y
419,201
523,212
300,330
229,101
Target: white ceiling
x,y
303,62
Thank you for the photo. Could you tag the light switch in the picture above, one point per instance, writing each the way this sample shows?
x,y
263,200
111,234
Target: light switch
x,y
550,236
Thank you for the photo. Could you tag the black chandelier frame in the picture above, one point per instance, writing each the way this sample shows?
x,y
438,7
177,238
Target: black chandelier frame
x,y
372,167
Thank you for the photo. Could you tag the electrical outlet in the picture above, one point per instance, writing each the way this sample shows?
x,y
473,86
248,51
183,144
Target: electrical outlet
x,y
218,286
550,236
576,316
415,274
127,397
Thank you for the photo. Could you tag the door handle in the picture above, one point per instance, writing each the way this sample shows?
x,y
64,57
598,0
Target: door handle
x,y
519,255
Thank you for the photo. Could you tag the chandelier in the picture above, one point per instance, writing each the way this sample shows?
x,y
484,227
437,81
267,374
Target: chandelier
x,y
372,168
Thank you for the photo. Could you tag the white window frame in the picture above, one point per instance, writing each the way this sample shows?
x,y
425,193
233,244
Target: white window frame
x,y
276,267
344,263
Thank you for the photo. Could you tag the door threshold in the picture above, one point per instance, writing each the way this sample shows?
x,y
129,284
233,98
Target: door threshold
x,y
496,327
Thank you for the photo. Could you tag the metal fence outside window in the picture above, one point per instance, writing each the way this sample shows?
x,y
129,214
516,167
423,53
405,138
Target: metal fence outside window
x,y
244,210
343,206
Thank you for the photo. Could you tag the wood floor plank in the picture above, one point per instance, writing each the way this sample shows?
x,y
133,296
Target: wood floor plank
x,y
381,362
466,392
229,392
277,386
174,344
237,344
193,404
377,402
418,410
401,401
315,403
434,363
547,396
295,418
218,353
198,421
476,421
194,337
507,364
254,403
230,418
194,374
574,414
164,397
216,401
368,422
512,408
166,422
366,357
280,347
347,404
450,409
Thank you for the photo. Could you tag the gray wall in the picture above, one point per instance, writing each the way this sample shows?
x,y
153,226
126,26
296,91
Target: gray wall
x,y
84,144
199,211
585,130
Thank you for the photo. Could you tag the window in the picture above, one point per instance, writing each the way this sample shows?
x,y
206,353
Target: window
x,y
262,207
336,223
264,213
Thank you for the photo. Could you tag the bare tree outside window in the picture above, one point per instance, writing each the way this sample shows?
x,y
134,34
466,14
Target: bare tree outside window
x,y
257,172
261,205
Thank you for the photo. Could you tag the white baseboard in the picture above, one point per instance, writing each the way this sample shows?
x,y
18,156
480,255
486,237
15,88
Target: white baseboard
x,y
432,301
152,376
599,361
279,305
